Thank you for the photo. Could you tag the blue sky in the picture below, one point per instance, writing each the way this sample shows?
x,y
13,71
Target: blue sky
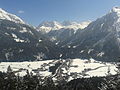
x,y
36,11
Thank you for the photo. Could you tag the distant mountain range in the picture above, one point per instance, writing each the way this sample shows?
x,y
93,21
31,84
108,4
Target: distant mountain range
x,y
46,27
59,32
99,39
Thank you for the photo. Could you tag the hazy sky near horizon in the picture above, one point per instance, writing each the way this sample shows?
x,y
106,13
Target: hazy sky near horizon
x,y
36,11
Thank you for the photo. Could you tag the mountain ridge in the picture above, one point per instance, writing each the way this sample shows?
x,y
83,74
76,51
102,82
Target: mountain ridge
x,y
11,17
47,26
100,40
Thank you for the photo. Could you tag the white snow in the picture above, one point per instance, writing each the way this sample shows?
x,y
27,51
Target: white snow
x,y
31,32
116,14
16,38
95,68
21,50
61,55
102,25
12,28
115,9
53,39
16,66
40,56
69,46
56,43
74,46
75,68
101,54
46,27
90,50
7,16
7,34
24,30
76,25
81,51
40,40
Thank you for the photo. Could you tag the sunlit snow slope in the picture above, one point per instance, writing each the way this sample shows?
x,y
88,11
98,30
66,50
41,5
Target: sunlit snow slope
x,y
11,17
72,69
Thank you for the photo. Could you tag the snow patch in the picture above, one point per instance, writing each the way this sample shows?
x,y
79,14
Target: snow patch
x,y
100,54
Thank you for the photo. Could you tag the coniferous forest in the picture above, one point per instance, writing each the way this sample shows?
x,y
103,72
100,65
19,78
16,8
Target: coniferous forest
x,y
10,81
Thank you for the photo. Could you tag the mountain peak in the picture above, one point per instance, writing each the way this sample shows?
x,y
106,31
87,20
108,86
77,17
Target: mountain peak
x,y
11,17
47,26
2,11
49,23
116,9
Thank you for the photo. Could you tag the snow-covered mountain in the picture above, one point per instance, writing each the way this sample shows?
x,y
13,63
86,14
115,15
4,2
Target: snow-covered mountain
x,y
61,69
46,27
100,40
11,17
19,41
75,25
60,32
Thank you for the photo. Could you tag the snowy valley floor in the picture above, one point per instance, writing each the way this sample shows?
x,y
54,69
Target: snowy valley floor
x,y
75,68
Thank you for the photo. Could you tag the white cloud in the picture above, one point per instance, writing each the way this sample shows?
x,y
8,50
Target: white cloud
x,y
20,11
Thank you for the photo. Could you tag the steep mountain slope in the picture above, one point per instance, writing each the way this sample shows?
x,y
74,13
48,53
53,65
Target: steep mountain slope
x,y
11,17
19,42
100,40
59,36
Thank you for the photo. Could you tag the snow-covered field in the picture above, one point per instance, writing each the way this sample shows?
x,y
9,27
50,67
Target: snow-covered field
x,y
74,68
